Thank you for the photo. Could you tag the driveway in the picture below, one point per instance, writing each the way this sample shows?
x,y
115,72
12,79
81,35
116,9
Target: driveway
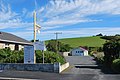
x,y
80,60
85,68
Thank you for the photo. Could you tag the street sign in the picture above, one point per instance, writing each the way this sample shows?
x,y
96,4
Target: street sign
x,y
40,46
29,54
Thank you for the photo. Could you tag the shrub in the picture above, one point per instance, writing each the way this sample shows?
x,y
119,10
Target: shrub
x,y
100,57
116,65
49,57
111,51
9,56
93,53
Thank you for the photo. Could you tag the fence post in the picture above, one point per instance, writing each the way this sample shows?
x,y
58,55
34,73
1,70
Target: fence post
x,y
57,67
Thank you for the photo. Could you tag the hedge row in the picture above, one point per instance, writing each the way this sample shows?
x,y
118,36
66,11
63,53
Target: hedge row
x,y
9,56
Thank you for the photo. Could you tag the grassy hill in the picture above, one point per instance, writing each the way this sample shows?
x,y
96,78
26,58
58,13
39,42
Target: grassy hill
x,y
94,41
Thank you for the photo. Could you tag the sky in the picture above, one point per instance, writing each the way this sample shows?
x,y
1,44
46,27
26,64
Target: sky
x,y
72,18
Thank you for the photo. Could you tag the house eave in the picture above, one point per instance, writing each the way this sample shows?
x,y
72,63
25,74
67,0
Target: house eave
x,y
15,42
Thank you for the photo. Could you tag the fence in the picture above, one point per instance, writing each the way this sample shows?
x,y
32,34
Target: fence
x,y
56,67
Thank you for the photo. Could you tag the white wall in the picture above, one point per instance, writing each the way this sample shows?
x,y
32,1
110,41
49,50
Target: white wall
x,y
63,67
73,52
76,54
21,47
85,53
11,46
2,45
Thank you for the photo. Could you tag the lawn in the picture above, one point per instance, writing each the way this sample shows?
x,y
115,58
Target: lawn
x,y
94,41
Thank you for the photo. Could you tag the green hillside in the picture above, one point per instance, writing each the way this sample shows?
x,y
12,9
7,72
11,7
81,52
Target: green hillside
x,y
94,41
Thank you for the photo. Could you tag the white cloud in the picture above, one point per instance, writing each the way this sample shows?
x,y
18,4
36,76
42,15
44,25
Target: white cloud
x,y
26,35
10,25
61,12
6,13
11,19
79,32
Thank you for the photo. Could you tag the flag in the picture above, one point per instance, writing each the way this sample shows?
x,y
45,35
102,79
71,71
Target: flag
x,y
38,28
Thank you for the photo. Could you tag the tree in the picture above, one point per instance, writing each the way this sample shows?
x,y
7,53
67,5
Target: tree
x,y
117,35
111,50
117,38
51,46
99,34
65,48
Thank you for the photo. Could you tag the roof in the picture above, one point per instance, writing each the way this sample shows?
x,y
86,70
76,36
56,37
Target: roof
x,y
10,38
79,48
83,49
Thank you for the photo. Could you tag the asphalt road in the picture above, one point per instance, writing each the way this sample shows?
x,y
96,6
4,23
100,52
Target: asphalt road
x,y
82,68
85,68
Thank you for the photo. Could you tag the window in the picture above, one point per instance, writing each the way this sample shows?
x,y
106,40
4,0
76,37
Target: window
x,y
6,45
16,47
81,51
78,51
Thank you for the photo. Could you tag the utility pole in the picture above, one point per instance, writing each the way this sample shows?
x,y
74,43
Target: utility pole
x,y
57,40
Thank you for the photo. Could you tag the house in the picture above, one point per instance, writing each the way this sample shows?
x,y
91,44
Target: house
x,y
12,41
79,52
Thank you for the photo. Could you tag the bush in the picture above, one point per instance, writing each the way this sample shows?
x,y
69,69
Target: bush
x,y
111,50
116,65
9,56
49,57
93,53
100,57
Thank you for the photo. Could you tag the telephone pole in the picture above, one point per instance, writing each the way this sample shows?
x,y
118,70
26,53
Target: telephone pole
x,y
57,40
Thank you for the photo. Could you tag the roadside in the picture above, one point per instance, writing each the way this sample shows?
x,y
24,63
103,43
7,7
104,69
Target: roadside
x,y
88,71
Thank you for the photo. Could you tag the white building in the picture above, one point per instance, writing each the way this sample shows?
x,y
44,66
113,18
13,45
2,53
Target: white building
x,y
79,52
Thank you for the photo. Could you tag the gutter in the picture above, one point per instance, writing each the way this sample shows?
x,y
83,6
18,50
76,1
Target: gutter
x,y
16,42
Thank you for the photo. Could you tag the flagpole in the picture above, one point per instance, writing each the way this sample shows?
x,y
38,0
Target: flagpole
x,y
34,15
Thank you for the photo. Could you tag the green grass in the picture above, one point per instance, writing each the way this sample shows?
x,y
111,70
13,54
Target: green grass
x,y
94,41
